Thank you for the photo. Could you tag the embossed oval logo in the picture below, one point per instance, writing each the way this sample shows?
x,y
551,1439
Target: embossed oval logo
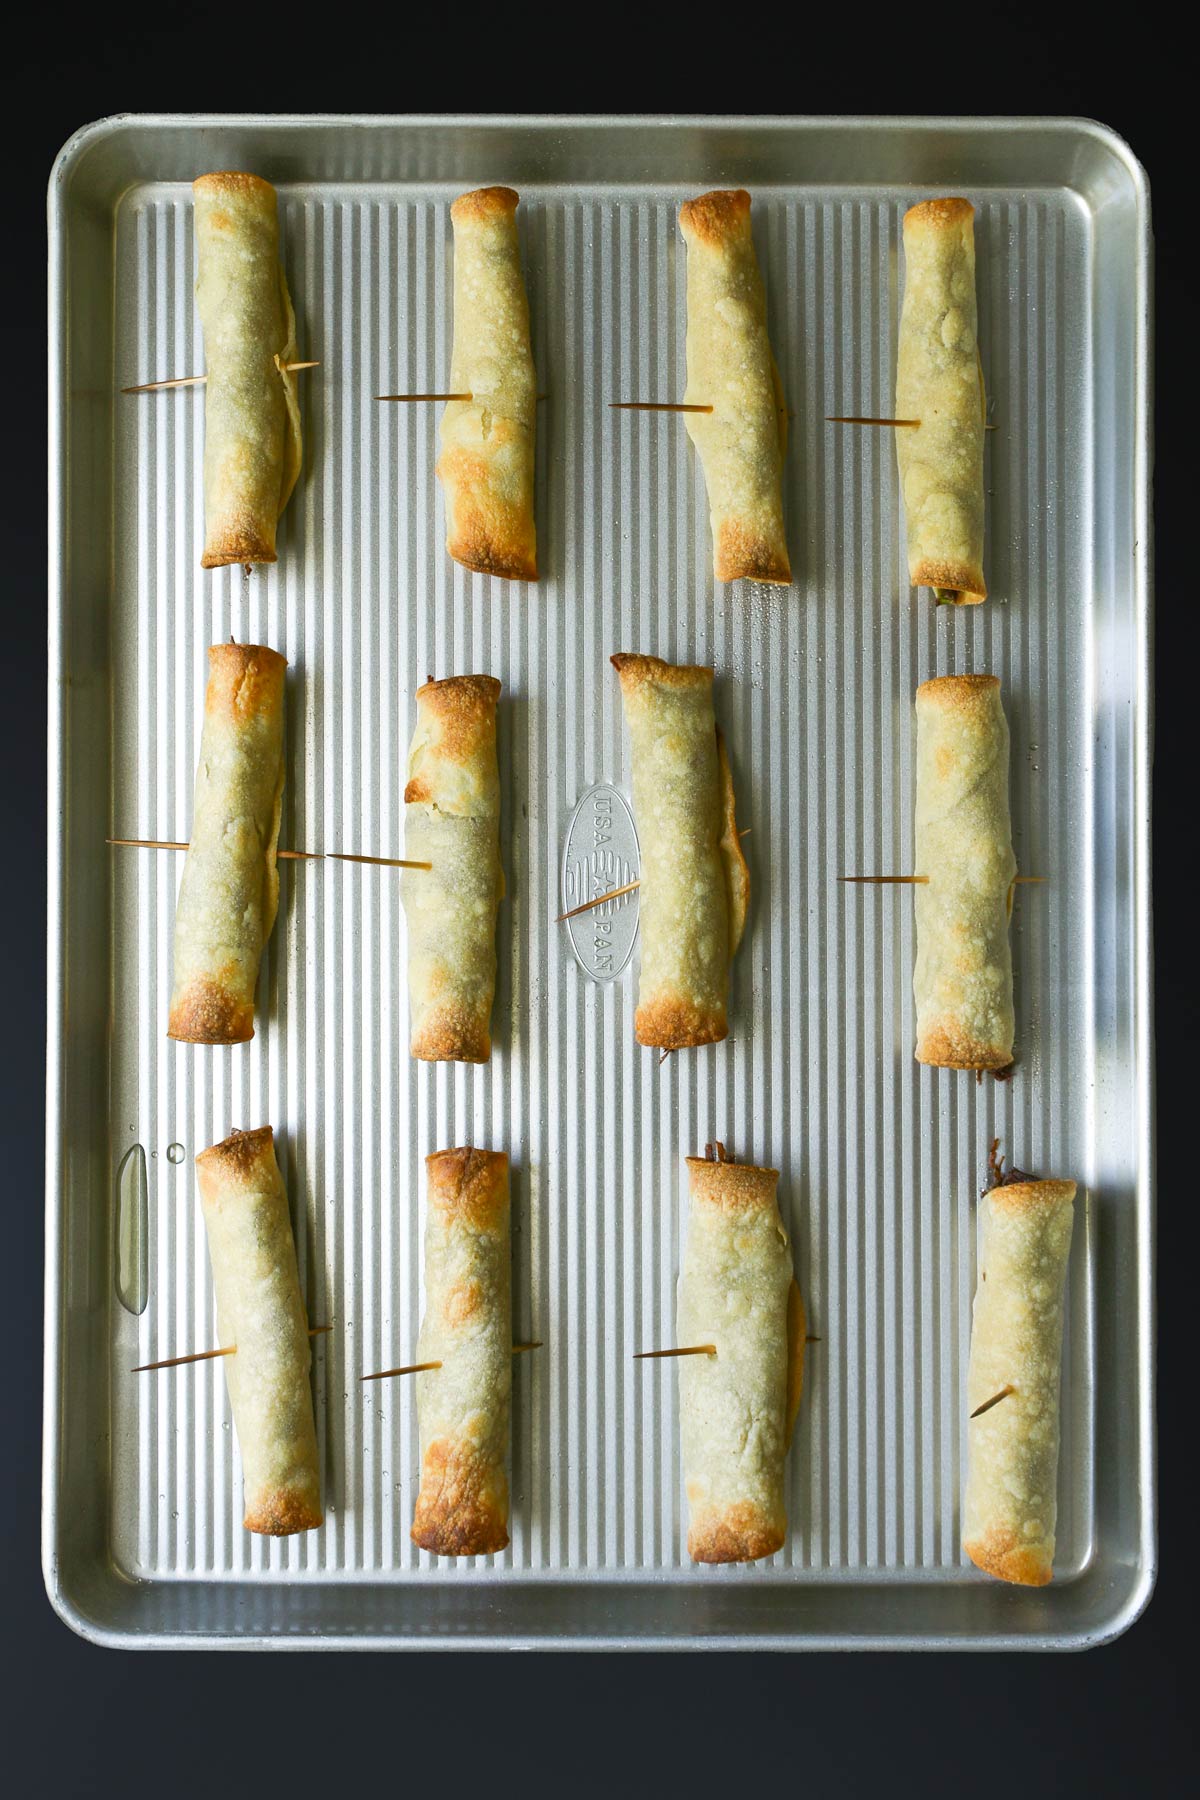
x,y
601,853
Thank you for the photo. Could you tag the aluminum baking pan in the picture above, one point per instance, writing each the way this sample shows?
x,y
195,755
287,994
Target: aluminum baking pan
x,y
881,1160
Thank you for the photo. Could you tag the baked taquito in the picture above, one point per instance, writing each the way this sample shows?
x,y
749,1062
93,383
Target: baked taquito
x,y
939,381
730,368
695,886
737,1406
963,983
463,1405
229,892
486,462
252,440
1010,1505
257,1286
452,822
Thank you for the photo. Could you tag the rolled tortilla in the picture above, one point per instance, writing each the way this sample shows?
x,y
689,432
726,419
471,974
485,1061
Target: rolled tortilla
x,y
252,442
939,381
230,887
462,1507
695,886
741,442
486,464
452,821
257,1285
963,980
737,1408
1010,1504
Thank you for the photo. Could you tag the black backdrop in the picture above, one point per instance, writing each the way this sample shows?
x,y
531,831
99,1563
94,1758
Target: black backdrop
x,y
78,1720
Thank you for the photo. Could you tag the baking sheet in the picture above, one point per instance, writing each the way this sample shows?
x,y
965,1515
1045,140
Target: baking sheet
x,y
881,1160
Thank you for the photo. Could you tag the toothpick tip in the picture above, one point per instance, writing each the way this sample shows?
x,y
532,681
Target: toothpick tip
x,y
408,1369
612,894
678,406
994,1401
854,419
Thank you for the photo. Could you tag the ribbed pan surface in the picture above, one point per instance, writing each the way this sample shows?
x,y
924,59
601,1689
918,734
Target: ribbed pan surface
x,y
881,1161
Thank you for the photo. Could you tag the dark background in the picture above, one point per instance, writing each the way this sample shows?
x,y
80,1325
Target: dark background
x,y
78,1720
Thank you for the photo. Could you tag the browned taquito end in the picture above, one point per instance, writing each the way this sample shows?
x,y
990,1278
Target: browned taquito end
x,y
463,1404
229,890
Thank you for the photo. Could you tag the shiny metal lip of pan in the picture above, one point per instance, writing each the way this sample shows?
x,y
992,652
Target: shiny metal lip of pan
x,y
881,1160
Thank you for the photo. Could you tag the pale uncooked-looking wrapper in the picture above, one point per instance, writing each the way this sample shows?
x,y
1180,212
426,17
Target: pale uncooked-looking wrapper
x,y
963,984
741,442
259,1308
737,1408
452,822
695,885
940,382
486,461
1010,1504
229,891
252,438
463,1406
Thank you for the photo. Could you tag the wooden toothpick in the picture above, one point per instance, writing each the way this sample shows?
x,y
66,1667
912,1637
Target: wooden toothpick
x,y
384,862
154,387
418,1368
540,397
922,880
408,1369
994,1401
835,419
167,844
174,1362
612,894
146,844
689,1350
181,381
615,893
852,419
680,406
